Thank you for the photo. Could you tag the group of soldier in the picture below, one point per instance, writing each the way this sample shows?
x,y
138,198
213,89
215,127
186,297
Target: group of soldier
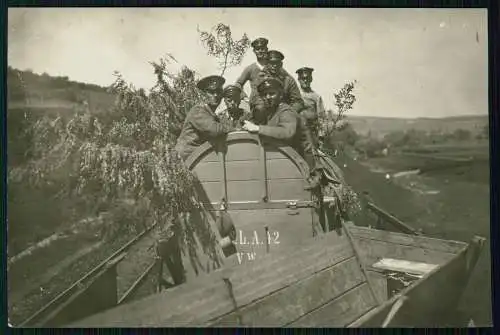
x,y
278,108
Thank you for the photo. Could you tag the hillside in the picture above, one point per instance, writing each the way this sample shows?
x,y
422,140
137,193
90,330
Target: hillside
x,y
379,126
42,92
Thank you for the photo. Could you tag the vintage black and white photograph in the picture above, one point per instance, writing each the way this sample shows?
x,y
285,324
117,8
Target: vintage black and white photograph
x,y
248,167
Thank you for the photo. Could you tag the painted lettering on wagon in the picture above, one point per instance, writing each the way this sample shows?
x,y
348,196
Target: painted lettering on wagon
x,y
272,238
255,240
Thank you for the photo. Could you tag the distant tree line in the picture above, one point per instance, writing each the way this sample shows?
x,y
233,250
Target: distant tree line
x,y
372,146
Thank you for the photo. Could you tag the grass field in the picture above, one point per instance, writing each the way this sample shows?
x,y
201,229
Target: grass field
x,y
457,209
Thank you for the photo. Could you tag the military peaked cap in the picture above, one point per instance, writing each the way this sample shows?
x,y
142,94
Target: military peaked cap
x,y
306,70
270,83
211,83
259,42
275,55
231,91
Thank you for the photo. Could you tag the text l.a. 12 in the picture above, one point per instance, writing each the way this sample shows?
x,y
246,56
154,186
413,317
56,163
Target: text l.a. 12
x,y
255,239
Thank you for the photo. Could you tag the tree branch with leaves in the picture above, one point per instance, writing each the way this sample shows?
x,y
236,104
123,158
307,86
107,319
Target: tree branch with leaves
x,y
220,44
334,120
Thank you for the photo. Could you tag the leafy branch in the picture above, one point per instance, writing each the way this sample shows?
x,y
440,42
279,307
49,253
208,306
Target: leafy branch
x,y
220,44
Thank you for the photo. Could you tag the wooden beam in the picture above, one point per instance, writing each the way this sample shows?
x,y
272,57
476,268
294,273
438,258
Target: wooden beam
x,y
249,205
392,220
96,295
408,240
429,299
400,265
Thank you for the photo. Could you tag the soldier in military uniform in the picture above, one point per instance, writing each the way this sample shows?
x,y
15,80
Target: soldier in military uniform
x,y
202,124
282,122
253,74
326,170
291,91
312,101
233,114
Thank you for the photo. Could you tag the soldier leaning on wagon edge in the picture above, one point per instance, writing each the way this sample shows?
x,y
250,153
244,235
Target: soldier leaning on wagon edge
x,y
281,122
202,124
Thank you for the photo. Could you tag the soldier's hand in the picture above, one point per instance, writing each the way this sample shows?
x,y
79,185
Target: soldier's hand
x,y
250,127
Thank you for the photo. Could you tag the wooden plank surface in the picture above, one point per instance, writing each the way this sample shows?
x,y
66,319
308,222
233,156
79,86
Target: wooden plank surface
x,y
374,250
282,168
379,282
409,240
247,190
242,151
252,190
288,189
292,302
340,311
284,231
208,171
430,299
188,303
211,192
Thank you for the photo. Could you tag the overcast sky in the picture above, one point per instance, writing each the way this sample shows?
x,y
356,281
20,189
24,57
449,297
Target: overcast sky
x,y
408,62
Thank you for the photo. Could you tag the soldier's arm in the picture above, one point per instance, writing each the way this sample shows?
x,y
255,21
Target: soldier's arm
x,y
296,101
285,130
204,122
244,77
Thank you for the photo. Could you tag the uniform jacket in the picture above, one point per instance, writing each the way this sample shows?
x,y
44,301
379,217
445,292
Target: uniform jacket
x,y
280,124
313,109
252,73
236,120
201,125
288,126
291,91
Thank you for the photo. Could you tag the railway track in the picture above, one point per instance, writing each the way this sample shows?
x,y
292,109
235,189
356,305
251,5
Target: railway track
x,y
134,261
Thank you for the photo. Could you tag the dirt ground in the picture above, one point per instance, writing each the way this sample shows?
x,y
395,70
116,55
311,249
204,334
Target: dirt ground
x,y
451,204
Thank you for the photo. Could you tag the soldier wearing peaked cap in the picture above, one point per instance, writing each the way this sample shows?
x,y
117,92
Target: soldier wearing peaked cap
x,y
281,122
260,42
325,168
253,73
233,114
313,108
291,91
312,101
202,124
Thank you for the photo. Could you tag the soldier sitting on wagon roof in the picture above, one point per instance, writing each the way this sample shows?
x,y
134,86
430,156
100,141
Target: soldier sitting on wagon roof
x,y
282,122
202,124
233,114
253,73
